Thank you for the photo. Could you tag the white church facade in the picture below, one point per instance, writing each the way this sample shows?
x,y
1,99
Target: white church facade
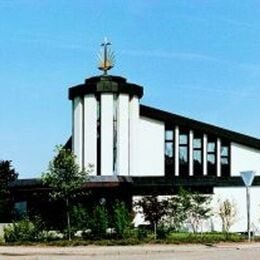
x,y
137,150
158,151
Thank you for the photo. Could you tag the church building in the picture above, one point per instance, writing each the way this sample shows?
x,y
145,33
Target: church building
x,y
135,149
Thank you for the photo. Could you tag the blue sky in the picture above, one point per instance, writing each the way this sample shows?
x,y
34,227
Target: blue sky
x,y
200,59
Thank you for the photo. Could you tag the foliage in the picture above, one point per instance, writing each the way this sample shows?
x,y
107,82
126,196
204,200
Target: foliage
x,y
122,220
65,178
227,211
199,211
7,175
100,222
80,219
178,206
153,210
207,238
23,230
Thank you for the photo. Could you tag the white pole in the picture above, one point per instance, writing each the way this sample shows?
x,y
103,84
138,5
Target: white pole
x,y
248,213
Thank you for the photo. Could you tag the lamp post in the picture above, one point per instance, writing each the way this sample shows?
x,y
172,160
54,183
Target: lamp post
x,y
248,177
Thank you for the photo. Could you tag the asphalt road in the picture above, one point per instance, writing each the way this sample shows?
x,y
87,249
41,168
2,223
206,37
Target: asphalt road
x,y
152,252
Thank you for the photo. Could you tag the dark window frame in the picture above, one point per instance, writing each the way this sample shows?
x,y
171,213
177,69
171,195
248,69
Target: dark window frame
x,y
198,169
225,168
212,168
184,168
169,162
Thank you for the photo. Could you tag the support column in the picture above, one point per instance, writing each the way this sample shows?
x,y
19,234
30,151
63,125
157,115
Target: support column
x,y
107,134
77,138
90,132
176,150
123,135
133,135
205,159
191,153
218,157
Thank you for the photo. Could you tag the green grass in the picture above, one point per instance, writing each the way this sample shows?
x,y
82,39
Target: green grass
x,y
205,238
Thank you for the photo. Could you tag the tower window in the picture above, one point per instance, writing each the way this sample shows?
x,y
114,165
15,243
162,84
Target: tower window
x,y
115,108
98,136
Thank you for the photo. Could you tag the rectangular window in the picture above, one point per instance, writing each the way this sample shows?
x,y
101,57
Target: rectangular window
x,y
98,135
115,108
169,152
184,152
212,156
198,154
225,158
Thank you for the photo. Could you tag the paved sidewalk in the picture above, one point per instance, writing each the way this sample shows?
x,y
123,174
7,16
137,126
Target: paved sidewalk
x,y
144,252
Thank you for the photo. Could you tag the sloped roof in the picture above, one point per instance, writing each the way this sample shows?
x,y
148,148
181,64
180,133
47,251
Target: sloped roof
x,y
173,119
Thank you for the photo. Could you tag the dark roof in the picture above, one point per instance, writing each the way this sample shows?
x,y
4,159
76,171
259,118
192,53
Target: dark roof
x,y
105,84
172,119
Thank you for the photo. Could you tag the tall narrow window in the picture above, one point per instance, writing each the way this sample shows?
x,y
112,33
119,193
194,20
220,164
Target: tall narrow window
x,y
212,156
98,136
115,106
184,153
169,152
198,154
225,158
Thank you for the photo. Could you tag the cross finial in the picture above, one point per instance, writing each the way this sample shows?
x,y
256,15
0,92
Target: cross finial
x,y
106,57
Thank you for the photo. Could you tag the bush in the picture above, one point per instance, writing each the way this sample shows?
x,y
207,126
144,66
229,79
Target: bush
x,y
162,232
99,225
143,232
51,235
22,231
80,219
122,220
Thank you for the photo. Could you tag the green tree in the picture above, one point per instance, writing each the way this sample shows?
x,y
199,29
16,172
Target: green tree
x,y
65,179
153,210
199,211
7,175
178,206
122,219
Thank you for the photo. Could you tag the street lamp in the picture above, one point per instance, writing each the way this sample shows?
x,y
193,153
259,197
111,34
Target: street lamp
x,y
248,177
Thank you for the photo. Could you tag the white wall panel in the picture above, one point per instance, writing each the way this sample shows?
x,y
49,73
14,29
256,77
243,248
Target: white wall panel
x,y
77,138
90,132
176,150
151,147
238,196
218,157
191,153
107,134
133,135
205,159
244,158
123,135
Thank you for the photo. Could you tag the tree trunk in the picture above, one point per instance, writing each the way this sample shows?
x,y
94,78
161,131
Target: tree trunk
x,y
155,230
68,218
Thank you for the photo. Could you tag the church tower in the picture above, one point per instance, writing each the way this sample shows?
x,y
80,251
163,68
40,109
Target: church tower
x,y
105,117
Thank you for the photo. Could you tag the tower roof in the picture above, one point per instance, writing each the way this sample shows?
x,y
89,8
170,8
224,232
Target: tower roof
x,y
105,84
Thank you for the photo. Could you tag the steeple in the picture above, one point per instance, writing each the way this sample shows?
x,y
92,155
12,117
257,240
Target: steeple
x,y
106,57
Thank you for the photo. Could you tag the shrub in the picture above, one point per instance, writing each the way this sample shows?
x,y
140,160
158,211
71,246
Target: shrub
x,y
122,220
99,224
24,230
80,219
